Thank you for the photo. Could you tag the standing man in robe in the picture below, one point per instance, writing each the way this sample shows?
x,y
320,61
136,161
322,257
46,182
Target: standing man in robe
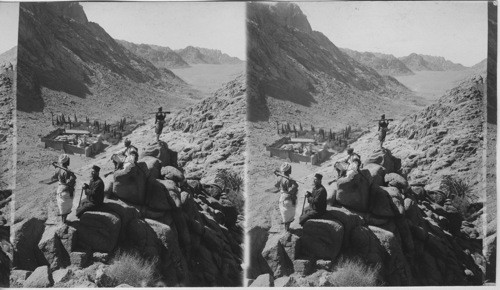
x,y
288,195
65,188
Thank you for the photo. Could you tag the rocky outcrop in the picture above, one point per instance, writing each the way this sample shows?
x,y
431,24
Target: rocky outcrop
x,y
450,137
190,236
407,234
211,134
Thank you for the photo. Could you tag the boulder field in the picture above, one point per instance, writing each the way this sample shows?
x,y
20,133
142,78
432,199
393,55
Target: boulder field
x,y
150,209
413,236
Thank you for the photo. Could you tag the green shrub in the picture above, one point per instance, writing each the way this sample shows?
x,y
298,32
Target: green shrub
x,y
130,268
354,273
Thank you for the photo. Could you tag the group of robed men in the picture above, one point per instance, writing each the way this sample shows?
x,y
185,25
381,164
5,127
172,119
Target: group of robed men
x,y
94,190
316,198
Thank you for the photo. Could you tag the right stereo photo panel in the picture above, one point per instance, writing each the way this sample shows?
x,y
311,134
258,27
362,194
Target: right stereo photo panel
x,y
371,142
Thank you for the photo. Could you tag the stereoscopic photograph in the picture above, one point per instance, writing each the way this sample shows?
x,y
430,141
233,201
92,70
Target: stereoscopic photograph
x,y
248,144
371,160
130,145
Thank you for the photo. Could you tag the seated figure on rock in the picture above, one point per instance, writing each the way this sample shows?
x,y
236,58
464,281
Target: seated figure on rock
x,y
122,154
94,191
317,200
343,164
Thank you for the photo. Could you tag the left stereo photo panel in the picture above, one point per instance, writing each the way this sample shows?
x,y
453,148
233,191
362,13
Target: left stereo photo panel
x,y
130,145
8,62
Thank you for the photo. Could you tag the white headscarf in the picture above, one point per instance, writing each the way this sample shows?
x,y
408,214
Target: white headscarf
x,y
285,167
63,158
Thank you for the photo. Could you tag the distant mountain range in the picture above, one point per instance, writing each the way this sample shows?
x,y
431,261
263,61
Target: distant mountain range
x,y
165,57
419,62
158,55
60,53
384,64
289,63
196,55
388,64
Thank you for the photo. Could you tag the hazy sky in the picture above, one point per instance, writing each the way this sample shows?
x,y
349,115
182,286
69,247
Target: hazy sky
x,y
213,25
457,31
9,13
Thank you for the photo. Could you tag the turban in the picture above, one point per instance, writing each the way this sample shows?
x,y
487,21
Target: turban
x,y
285,167
63,158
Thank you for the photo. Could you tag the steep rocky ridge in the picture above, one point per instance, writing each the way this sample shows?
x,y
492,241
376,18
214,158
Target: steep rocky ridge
x,y
426,230
418,62
384,64
160,56
290,64
192,227
65,53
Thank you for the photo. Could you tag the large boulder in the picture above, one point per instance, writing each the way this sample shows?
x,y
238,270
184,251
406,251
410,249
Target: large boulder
x,y
142,238
384,158
161,151
130,183
377,172
396,268
98,231
276,257
27,234
353,191
124,211
153,165
366,244
157,196
52,248
322,239
398,181
264,280
386,201
349,220
172,173
40,278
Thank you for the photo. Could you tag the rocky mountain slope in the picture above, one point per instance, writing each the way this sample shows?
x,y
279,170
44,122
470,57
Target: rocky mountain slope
x,y
9,57
159,56
418,62
290,65
61,52
7,126
7,173
190,221
394,212
198,55
480,67
384,64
